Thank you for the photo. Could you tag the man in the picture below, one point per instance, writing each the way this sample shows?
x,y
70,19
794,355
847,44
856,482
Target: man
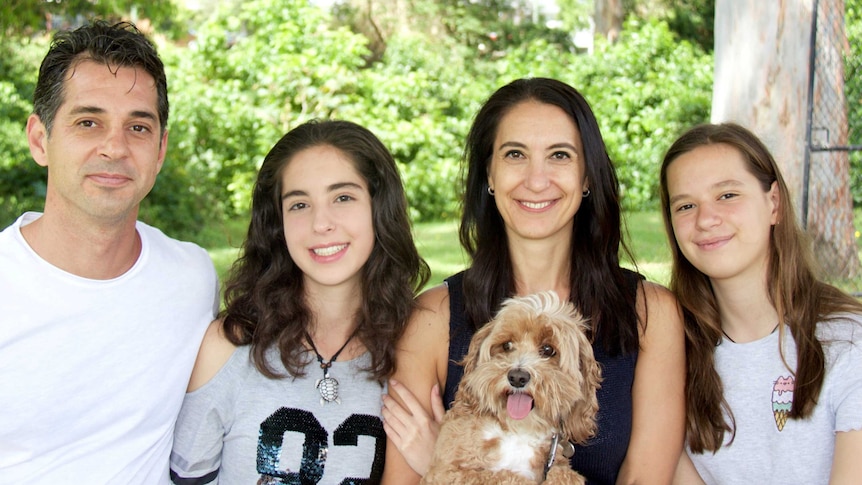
x,y
102,315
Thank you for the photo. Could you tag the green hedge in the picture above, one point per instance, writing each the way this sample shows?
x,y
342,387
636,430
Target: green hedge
x,y
255,72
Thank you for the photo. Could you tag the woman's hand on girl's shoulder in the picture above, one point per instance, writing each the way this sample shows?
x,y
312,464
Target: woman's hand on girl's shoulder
x,y
409,427
214,352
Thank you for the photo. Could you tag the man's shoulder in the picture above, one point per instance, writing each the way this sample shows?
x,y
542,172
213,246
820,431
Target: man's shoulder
x,y
168,250
6,233
22,220
10,235
162,242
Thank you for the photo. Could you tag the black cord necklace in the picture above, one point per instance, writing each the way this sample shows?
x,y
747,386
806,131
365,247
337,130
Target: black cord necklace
x,y
328,386
734,341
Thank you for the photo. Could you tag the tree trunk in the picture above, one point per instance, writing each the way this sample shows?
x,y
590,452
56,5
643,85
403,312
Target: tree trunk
x,y
762,51
830,214
608,18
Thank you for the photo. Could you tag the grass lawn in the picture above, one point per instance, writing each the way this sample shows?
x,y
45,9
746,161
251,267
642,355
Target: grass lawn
x,y
438,244
647,240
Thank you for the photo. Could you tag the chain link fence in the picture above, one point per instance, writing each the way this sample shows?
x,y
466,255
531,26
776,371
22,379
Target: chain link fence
x,y
834,140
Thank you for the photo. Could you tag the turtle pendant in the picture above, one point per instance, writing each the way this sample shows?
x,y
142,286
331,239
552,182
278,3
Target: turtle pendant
x,y
328,388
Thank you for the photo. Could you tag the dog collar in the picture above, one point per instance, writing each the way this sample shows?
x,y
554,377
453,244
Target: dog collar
x,y
552,455
568,452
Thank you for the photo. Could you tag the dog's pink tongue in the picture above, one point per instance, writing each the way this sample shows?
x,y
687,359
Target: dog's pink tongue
x,y
519,405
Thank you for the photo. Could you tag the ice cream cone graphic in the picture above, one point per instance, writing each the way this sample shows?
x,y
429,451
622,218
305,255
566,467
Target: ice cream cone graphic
x,y
782,399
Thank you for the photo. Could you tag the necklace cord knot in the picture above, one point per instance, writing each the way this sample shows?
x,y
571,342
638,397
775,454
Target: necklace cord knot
x,y
323,364
328,386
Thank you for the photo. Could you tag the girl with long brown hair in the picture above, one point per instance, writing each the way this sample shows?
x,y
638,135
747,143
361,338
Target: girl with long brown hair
x,y
288,382
774,386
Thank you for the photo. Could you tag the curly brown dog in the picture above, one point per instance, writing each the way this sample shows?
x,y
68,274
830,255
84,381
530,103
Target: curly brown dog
x,y
529,375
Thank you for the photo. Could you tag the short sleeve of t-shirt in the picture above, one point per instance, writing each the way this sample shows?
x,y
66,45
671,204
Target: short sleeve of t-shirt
x,y
203,421
843,347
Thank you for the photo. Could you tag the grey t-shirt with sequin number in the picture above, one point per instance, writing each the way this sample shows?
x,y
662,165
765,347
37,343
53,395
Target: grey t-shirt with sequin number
x,y
242,427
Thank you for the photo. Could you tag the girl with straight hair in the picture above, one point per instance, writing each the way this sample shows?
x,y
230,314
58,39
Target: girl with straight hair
x,y
774,385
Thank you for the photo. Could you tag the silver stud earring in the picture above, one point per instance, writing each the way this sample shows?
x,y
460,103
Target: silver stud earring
x,y
490,191
585,193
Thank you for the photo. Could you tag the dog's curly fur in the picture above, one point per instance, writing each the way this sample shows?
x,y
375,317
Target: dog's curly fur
x,y
535,345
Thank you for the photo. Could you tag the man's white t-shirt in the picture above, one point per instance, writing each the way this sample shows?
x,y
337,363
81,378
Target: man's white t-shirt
x,y
93,372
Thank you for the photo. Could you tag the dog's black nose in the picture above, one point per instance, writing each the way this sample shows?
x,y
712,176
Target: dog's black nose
x,y
518,378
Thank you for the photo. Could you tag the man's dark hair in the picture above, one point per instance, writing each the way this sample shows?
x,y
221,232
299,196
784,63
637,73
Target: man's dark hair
x,y
114,45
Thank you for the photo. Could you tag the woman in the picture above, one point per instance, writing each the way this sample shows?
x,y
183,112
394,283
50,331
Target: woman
x,y
542,212
775,365
287,384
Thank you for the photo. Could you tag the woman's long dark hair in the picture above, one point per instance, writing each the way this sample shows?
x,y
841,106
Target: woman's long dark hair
x,y
264,296
599,287
800,299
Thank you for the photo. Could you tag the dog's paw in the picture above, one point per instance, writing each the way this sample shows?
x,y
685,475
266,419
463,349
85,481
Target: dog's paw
x,y
563,475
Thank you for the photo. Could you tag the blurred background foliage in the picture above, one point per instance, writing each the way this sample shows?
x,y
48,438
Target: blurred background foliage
x,y
242,73
853,91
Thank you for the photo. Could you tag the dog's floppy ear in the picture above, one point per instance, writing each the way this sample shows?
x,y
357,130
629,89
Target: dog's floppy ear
x,y
478,351
569,328
581,424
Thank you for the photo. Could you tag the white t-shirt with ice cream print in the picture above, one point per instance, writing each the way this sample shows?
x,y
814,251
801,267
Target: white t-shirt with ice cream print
x,y
768,446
